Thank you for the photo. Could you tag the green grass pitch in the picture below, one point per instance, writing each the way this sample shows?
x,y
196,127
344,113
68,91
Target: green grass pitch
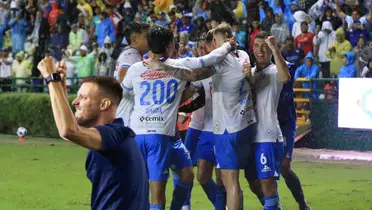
x,y
50,174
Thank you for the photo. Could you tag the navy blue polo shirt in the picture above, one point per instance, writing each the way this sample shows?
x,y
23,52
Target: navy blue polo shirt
x,y
118,172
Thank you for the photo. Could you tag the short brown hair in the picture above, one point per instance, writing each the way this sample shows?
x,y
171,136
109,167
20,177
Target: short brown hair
x,y
263,35
223,28
107,86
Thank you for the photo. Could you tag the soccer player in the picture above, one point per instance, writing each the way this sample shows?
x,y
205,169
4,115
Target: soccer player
x,y
157,96
267,80
114,163
233,113
136,35
287,122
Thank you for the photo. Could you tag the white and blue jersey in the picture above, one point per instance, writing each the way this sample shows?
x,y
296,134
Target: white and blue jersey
x,y
156,100
126,60
268,146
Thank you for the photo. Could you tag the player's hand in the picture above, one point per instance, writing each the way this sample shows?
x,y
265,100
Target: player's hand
x,y
46,66
182,117
154,64
233,43
271,42
247,69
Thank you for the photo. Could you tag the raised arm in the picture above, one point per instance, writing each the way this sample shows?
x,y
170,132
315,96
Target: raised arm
x,y
66,123
281,65
178,72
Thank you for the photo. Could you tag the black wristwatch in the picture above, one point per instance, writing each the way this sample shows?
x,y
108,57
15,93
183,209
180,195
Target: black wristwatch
x,y
53,77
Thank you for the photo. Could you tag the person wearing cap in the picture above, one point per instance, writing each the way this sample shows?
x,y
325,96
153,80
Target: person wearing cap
x,y
161,19
186,26
85,62
75,38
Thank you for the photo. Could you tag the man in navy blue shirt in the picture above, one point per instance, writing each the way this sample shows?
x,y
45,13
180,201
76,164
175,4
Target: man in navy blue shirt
x,y
291,53
114,165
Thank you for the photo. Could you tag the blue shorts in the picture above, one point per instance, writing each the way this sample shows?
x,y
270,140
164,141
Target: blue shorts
x,y
233,149
289,134
205,149
266,161
191,143
160,152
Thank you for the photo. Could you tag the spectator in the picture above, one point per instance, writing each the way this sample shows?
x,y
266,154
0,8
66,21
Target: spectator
x,y
103,67
323,40
18,27
198,29
308,70
183,51
367,70
70,69
305,39
289,12
186,25
356,30
6,62
300,17
268,21
105,28
357,51
75,38
53,16
161,19
58,42
240,35
280,29
337,51
174,23
348,70
85,62
21,70
330,15
253,33
292,53
85,8
3,25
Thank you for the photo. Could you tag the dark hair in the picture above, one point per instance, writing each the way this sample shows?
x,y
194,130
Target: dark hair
x,y
107,86
104,14
159,38
209,36
171,13
304,23
263,35
134,27
223,29
289,38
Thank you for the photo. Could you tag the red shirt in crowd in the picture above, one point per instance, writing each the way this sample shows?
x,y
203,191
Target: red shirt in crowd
x,y
251,40
305,42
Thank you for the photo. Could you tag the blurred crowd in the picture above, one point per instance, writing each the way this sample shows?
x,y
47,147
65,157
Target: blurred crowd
x,y
323,38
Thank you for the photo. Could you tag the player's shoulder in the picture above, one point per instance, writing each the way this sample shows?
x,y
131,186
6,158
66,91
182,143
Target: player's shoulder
x,y
243,53
137,67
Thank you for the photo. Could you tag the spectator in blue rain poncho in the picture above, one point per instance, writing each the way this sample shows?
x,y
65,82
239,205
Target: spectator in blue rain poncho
x,y
308,70
348,70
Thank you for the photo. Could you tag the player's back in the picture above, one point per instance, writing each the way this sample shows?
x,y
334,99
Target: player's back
x,y
156,99
267,89
232,101
202,119
125,60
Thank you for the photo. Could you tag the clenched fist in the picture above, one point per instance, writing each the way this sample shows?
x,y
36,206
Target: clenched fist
x,y
46,66
271,42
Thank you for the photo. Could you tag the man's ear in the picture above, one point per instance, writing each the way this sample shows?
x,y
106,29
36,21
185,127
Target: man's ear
x,y
105,104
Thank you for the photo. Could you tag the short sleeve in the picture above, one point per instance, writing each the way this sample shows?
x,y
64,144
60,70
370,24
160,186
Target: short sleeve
x,y
128,58
191,63
113,136
127,84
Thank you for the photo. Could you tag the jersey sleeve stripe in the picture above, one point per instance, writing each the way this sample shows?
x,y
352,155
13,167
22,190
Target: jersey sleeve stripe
x,y
202,62
124,65
125,87
214,70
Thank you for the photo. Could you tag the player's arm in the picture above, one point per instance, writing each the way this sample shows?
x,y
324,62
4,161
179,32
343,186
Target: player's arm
x,y
195,104
127,84
66,123
121,73
281,65
182,73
